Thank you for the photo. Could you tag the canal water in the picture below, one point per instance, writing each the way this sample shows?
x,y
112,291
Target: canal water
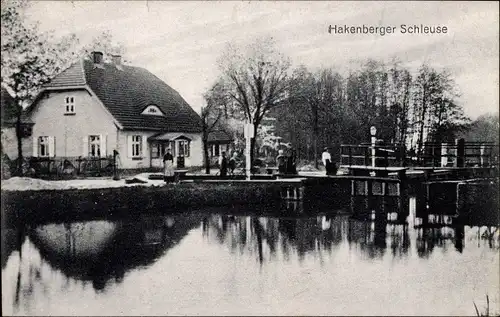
x,y
245,261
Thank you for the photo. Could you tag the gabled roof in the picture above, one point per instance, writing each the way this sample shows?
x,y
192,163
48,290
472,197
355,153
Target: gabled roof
x,y
168,136
219,136
127,91
72,76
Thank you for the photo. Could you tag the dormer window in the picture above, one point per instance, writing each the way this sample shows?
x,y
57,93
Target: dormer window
x,y
153,110
69,105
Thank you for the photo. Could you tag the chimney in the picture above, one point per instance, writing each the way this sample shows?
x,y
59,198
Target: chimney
x,y
97,57
117,61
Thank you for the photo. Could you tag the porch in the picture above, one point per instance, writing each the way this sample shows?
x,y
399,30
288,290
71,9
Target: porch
x,y
179,145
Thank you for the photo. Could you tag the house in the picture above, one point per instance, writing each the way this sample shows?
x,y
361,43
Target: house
x,y
9,145
219,141
94,108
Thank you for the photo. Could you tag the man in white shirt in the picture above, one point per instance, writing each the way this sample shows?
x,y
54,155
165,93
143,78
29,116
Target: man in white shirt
x,y
326,156
327,162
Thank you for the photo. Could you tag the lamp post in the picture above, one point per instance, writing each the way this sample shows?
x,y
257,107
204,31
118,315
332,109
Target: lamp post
x,y
373,132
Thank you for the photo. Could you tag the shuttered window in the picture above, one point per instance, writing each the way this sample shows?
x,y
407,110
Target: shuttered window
x,y
94,146
45,147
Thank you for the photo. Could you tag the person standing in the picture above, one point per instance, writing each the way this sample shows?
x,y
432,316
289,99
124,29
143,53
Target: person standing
x,y
281,162
232,163
327,161
168,166
223,164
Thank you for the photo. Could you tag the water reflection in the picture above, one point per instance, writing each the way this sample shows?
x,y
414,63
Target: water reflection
x,y
194,257
99,252
269,237
374,229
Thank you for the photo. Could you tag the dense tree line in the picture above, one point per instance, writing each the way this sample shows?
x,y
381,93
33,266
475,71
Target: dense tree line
x,y
325,107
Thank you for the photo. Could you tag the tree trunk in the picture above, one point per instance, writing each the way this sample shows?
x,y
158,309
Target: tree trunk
x,y
315,149
19,146
315,135
206,156
252,143
252,151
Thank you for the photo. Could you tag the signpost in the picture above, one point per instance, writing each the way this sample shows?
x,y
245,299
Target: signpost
x,y
249,134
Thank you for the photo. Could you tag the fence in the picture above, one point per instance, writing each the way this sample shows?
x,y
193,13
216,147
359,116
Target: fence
x,y
461,154
434,154
82,166
361,155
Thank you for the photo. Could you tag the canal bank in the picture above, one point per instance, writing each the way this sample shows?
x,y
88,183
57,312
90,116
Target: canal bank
x,y
75,204
42,201
32,200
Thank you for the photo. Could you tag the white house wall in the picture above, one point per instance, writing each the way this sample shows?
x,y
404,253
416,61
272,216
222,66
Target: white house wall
x,y
126,161
90,118
196,149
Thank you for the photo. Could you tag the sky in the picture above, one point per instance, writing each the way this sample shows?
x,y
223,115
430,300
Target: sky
x,y
180,41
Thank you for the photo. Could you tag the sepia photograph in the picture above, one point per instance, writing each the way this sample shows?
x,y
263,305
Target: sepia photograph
x,y
250,158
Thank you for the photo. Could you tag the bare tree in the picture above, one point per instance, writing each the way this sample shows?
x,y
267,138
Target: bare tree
x,y
434,104
255,80
211,115
400,81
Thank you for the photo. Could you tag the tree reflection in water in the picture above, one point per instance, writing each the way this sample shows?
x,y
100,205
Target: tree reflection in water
x,y
374,229
269,237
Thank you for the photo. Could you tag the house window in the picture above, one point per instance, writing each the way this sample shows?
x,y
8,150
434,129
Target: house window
x,y
215,150
94,146
70,105
136,146
155,150
184,148
171,146
153,110
43,146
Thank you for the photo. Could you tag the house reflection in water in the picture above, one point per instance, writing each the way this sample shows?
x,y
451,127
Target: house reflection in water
x,y
101,252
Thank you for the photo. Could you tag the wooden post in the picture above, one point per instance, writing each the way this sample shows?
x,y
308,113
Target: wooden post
x,y
481,153
461,153
350,155
444,156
